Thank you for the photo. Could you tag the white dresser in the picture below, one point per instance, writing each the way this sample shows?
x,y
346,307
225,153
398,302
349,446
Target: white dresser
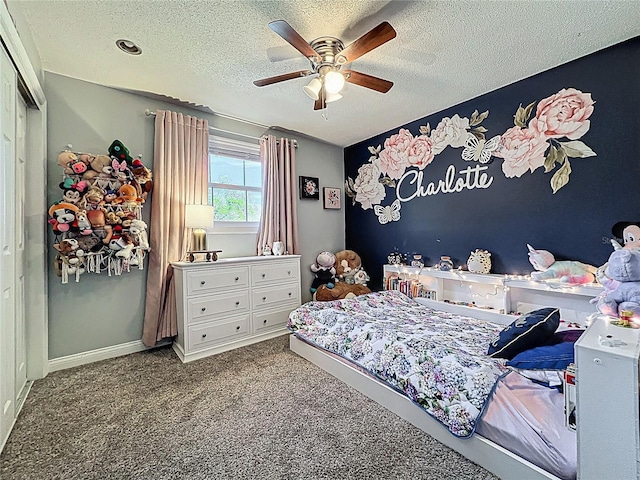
x,y
233,302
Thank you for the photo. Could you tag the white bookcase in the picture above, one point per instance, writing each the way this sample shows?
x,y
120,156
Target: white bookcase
x,y
490,296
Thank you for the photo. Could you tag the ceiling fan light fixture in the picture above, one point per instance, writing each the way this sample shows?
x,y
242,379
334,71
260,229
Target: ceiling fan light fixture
x,y
333,81
332,97
312,89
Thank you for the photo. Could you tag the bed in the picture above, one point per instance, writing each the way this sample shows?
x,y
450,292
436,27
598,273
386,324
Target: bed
x,y
431,367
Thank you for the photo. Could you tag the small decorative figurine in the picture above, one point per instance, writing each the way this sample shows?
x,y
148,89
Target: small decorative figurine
x,y
445,264
479,261
395,258
266,250
417,261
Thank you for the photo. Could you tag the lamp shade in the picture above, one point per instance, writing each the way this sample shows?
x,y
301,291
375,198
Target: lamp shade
x,y
332,97
333,81
313,88
198,216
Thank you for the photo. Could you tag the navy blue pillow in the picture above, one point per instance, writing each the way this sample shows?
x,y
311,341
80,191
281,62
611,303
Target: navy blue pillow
x,y
530,330
547,357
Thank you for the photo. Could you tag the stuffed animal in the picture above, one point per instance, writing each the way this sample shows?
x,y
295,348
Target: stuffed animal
x,y
339,291
567,271
63,217
71,256
98,222
138,229
84,226
143,178
324,271
100,168
623,267
347,264
629,232
361,278
128,196
72,192
119,151
92,198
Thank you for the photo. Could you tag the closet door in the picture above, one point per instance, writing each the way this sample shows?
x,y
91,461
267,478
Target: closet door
x,y
7,245
21,332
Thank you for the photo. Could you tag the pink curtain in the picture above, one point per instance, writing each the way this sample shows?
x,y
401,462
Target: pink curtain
x,y
279,220
180,174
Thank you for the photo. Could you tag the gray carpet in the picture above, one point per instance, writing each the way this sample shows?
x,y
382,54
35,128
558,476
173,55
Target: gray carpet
x,y
258,412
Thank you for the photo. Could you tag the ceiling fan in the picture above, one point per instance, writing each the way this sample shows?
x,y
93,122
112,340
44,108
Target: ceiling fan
x,y
328,56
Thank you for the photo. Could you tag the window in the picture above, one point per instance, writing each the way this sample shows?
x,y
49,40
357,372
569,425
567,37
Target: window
x,y
235,183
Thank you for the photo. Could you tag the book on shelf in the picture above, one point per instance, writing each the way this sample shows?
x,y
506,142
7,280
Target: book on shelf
x,y
411,288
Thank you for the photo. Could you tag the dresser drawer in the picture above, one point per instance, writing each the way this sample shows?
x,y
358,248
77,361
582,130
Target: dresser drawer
x,y
199,309
275,272
271,321
207,334
276,296
205,281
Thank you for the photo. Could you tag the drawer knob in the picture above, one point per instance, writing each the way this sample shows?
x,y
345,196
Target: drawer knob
x,y
237,303
289,272
264,298
202,282
238,327
264,321
289,293
264,275
204,308
204,335
237,278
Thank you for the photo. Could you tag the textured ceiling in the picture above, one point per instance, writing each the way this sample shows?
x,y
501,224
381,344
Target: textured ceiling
x,y
210,51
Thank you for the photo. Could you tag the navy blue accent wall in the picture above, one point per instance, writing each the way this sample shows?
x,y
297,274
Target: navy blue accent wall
x,y
573,223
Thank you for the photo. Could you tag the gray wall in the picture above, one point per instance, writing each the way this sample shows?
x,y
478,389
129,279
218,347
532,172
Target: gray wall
x,y
102,311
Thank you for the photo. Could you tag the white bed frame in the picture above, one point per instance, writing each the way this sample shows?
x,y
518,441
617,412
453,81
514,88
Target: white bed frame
x,y
478,449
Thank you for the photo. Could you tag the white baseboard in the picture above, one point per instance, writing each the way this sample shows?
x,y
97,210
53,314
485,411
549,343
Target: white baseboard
x,y
91,356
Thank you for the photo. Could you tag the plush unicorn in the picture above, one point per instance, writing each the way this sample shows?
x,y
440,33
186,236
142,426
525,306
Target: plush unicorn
x,y
567,271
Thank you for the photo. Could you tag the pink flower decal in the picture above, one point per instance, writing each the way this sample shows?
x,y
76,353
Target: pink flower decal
x,y
420,153
394,157
564,114
450,131
522,149
369,191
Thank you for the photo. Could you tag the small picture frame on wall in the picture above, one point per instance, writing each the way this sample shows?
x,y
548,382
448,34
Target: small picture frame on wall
x,y
309,188
332,197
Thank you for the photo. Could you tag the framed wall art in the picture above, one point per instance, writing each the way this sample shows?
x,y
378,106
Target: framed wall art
x,y
332,197
309,188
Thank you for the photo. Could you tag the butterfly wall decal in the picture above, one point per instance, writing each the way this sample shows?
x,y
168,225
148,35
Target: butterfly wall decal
x,y
479,150
390,213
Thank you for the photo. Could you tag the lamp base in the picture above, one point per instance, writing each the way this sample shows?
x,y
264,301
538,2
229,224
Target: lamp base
x,y
199,240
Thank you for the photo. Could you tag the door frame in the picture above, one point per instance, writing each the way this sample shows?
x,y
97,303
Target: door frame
x,y
36,309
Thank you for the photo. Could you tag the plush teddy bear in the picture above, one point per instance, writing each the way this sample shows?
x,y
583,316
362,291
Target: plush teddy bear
x,y
339,291
72,257
623,267
100,168
567,271
324,271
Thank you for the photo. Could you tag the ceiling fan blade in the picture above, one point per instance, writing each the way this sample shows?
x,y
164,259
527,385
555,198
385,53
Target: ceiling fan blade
x,y
319,104
287,32
367,81
282,78
370,40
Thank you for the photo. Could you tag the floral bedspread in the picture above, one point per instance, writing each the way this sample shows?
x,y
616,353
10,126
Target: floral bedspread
x,y
437,359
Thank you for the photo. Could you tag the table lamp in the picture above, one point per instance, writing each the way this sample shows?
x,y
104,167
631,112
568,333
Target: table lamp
x,y
198,217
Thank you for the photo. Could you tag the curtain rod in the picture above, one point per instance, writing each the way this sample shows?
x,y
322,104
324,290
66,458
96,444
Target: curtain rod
x,y
149,113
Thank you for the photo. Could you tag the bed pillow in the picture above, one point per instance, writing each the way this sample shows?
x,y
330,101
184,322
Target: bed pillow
x,y
530,330
546,357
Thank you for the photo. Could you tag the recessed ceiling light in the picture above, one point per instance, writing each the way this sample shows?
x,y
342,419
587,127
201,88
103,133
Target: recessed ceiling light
x,y
128,46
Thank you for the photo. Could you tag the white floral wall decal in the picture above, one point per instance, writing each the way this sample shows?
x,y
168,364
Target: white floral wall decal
x,y
530,144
